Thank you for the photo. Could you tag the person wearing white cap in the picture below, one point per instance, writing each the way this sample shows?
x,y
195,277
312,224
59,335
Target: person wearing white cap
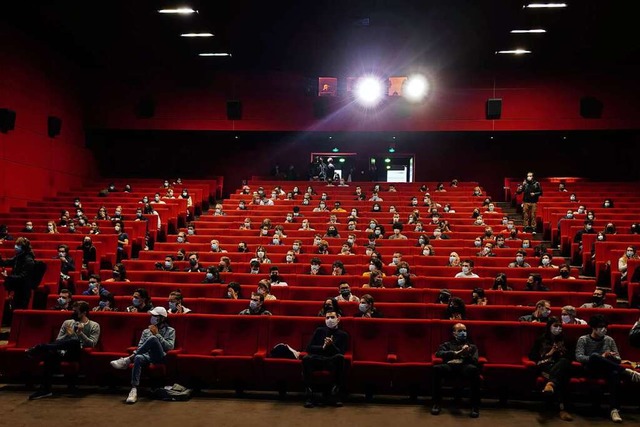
x,y
155,341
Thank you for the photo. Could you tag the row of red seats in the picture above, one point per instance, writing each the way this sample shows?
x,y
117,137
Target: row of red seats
x,y
232,352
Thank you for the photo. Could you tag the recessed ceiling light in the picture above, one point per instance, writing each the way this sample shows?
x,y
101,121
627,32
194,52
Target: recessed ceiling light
x,y
514,51
196,35
535,31
214,54
179,11
545,5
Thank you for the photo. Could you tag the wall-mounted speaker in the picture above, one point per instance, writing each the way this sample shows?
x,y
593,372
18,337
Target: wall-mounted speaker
x,y
234,110
7,120
591,107
54,125
493,108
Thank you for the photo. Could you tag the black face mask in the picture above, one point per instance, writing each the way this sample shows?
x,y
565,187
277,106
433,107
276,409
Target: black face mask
x,y
597,300
75,316
564,274
193,262
180,257
345,293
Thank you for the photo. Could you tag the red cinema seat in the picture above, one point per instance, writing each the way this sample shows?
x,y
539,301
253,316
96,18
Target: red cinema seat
x,y
371,366
410,355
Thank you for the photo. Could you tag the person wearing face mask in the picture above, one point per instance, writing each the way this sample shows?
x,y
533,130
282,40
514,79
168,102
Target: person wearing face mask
x,y
367,308
630,253
4,232
167,265
261,256
123,240
88,251
428,250
194,264
95,286
467,270
175,305
215,246
256,306
140,216
234,291
541,314
374,265
325,352
316,267
534,283
519,261
212,275
67,265
531,191
28,228
140,302
454,260
459,360
345,294
332,232
403,281
275,278
568,316
588,229
565,273
545,262
397,232
155,341
264,288
599,356
375,280
157,200
598,300
552,356
64,302
487,251
107,303
185,195
23,273
456,309
75,334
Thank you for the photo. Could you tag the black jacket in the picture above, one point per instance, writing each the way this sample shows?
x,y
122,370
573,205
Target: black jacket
x,y
339,346
447,352
530,187
22,271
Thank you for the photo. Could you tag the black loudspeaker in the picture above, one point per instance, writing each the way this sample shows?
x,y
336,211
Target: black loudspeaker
x,y
54,124
494,108
591,107
146,108
7,120
234,110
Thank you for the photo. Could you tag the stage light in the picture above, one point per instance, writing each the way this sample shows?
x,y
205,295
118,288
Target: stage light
x,y
388,167
416,88
214,54
335,149
196,35
514,51
387,160
178,11
534,31
373,161
369,91
342,160
392,150
545,5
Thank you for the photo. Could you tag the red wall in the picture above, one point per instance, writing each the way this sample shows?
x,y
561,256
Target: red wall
x,y
35,83
277,102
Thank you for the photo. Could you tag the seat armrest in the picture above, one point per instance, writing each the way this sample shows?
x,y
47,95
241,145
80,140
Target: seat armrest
x,y
392,358
217,352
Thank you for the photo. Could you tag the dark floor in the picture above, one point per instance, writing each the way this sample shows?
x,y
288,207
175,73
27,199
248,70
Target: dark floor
x,y
103,408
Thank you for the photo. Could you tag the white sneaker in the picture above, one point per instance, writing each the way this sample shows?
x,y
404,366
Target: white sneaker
x,y
133,396
122,363
635,376
615,416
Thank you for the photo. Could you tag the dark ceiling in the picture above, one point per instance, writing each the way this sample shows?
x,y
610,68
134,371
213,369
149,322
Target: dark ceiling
x,y
332,37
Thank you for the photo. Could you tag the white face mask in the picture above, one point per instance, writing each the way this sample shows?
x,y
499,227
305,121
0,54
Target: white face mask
x,y
372,267
331,323
289,258
260,254
466,270
545,261
566,318
519,259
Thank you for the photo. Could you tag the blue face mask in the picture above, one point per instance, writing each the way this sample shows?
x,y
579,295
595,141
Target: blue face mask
x,y
18,249
62,301
173,306
253,305
154,320
103,304
461,335
209,276
136,302
92,285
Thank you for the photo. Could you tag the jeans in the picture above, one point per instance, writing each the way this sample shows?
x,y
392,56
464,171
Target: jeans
x,y
149,352
558,373
611,371
469,372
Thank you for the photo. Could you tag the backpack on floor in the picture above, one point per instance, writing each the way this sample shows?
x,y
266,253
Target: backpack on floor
x,y
173,393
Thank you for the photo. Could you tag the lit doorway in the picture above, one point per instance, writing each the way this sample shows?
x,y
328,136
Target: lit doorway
x,y
392,168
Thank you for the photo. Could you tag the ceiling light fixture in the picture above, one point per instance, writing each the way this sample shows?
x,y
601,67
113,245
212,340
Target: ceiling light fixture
x,y
214,54
545,5
179,11
196,35
535,31
514,51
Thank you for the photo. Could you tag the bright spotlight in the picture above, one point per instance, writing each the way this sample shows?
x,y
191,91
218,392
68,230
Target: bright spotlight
x,y
369,91
416,88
